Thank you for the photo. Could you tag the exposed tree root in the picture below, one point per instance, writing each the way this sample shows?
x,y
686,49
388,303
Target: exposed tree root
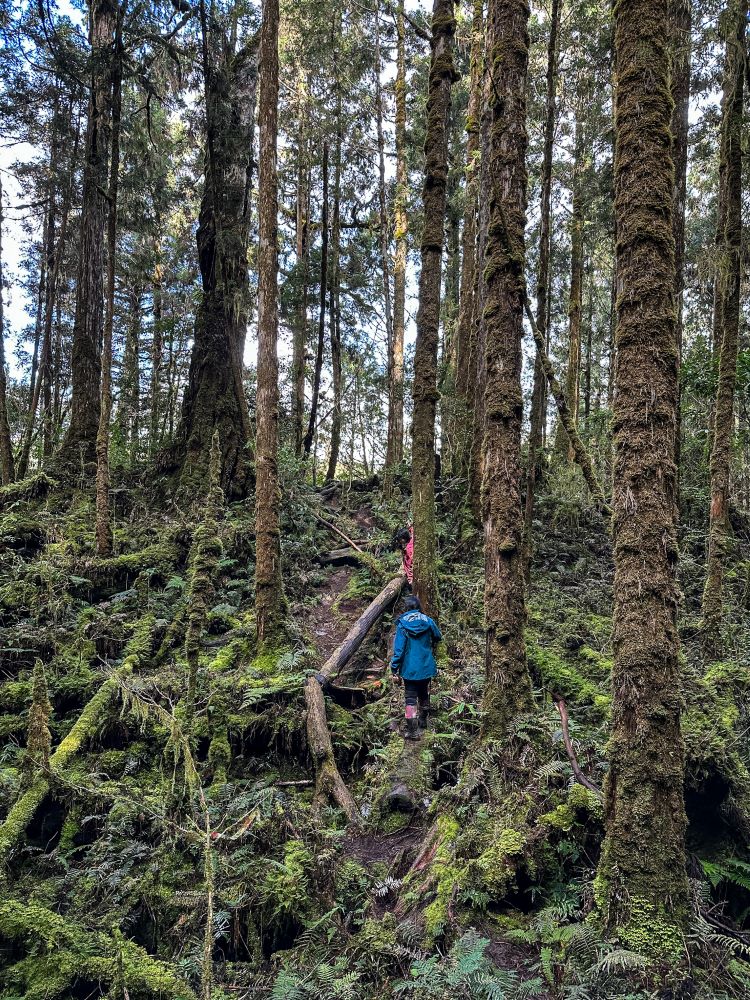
x,y
579,775
329,783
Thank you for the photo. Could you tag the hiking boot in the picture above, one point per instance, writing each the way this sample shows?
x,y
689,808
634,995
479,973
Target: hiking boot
x,y
424,716
412,730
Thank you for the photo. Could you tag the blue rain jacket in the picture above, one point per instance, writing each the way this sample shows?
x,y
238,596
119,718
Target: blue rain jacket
x,y
413,657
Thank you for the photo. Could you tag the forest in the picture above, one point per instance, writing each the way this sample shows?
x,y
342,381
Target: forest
x,y
375,500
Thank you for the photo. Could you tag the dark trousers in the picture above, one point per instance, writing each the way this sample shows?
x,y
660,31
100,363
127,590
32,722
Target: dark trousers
x,y
416,693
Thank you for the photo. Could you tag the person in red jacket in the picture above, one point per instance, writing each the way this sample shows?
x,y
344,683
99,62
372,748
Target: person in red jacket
x,y
405,541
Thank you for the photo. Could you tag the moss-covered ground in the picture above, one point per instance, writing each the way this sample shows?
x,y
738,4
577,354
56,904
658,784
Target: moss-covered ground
x,y
159,839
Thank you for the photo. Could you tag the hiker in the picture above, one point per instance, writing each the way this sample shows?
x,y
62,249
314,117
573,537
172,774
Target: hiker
x,y
414,663
405,541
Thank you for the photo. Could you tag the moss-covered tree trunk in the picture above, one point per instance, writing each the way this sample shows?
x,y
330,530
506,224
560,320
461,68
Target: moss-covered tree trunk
x,y
214,398
269,598
318,370
539,393
642,887
727,316
466,330
7,469
103,525
129,404
157,350
681,16
507,683
425,394
395,439
88,325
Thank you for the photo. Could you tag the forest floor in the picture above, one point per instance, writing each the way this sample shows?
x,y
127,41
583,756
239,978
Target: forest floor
x,y
482,890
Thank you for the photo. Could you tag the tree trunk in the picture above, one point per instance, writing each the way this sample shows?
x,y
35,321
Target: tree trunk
x,y
642,888
157,348
681,18
103,525
466,329
80,439
269,597
7,469
451,294
395,439
589,340
302,224
727,314
442,75
507,684
538,393
334,321
312,424
385,269
34,375
128,409
575,300
214,397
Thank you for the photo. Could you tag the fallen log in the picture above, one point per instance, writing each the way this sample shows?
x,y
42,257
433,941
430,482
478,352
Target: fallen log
x,y
328,781
22,811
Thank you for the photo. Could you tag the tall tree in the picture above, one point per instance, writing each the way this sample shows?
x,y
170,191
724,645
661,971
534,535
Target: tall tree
x,y
269,598
214,397
395,439
302,220
7,470
318,370
466,328
726,319
441,78
80,439
507,684
575,297
642,887
103,523
334,295
539,394
681,16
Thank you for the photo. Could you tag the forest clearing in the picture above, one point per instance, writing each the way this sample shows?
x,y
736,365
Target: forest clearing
x,y
375,500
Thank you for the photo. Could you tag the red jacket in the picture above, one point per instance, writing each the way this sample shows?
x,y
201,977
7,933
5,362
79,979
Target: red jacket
x,y
408,558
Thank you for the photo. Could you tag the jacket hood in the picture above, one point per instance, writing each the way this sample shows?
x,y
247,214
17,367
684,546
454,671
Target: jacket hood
x,y
416,623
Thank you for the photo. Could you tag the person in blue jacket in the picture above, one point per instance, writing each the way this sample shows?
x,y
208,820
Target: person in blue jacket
x,y
414,663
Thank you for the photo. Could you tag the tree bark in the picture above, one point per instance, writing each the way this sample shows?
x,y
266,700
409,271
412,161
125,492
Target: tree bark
x,y
642,887
128,407
466,345
214,397
425,394
269,597
80,440
103,525
395,439
312,423
507,682
7,470
727,315
538,393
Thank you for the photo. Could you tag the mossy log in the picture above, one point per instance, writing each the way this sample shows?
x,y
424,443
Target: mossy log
x,y
22,811
329,783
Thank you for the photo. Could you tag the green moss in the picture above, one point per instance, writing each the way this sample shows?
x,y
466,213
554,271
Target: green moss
x,y
563,677
583,799
496,866
448,876
562,818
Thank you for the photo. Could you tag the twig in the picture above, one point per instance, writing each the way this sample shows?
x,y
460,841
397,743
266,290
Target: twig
x,y
579,775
